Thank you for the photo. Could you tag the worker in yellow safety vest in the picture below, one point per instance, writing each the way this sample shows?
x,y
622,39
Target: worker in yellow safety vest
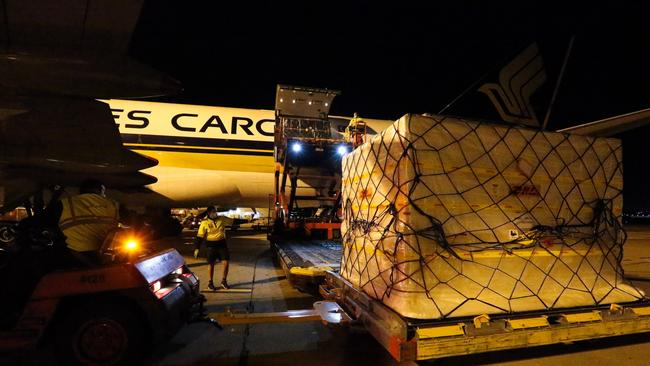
x,y
87,219
355,130
212,231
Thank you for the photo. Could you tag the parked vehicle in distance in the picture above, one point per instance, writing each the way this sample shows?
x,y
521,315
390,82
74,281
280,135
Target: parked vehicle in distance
x,y
257,225
262,223
192,222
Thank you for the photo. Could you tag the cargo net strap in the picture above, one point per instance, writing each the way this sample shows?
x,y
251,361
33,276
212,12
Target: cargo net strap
x,y
456,218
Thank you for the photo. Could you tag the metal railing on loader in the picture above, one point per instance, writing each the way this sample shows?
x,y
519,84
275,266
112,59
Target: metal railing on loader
x,y
307,196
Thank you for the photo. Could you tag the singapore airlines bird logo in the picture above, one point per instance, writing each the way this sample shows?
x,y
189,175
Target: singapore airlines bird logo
x,y
517,82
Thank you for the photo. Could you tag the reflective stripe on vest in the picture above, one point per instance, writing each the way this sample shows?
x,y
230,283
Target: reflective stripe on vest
x,y
79,200
86,219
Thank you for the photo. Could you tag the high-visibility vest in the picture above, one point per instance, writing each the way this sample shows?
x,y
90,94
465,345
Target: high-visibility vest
x,y
352,127
215,229
354,121
86,220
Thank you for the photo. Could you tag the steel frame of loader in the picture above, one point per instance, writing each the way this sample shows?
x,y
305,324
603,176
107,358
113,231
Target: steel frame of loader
x,y
307,194
305,151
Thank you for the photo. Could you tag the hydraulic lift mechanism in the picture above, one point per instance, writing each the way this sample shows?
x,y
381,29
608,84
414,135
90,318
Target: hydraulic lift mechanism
x,y
307,199
308,154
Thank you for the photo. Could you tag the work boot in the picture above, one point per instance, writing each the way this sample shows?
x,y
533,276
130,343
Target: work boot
x,y
211,286
224,285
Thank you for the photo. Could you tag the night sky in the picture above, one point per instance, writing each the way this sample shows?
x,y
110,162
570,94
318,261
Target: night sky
x,y
389,60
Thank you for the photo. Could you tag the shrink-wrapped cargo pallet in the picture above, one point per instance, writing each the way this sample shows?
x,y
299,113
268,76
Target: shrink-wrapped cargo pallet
x,y
447,217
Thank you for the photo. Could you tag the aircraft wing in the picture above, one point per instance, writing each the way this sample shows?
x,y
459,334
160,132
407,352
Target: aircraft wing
x,y
75,135
48,141
93,26
56,57
17,186
74,47
612,125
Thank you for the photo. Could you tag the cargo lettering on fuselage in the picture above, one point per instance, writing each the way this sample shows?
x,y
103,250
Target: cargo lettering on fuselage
x,y
190,122
135,116
201,137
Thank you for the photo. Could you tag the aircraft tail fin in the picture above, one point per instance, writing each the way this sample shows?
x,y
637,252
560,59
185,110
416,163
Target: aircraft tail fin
x,y
519,92
518,80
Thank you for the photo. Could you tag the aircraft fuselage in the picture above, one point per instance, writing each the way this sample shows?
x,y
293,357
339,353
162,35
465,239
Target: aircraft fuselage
x,y
207,155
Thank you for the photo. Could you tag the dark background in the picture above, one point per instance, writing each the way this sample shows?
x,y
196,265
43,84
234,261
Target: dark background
x,y
389,60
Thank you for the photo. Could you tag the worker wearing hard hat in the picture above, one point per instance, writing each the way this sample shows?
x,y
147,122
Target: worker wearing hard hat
x,y
212,231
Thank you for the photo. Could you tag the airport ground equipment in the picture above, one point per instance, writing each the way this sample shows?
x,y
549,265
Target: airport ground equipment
x,y
307,197
305,261
111,313
461,237
417,340
411,339
591,238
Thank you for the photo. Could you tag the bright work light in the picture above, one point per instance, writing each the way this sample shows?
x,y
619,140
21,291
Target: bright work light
x,y
296,147
131,245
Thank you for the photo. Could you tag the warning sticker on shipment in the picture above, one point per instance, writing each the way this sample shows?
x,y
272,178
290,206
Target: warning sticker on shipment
x,y
525,190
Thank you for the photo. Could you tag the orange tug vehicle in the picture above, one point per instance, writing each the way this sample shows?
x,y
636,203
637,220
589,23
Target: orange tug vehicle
x,y
108,313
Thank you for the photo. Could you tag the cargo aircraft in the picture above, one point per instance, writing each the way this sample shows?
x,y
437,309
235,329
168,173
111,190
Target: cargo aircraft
x,y
230,151
222,155
61,67
205,154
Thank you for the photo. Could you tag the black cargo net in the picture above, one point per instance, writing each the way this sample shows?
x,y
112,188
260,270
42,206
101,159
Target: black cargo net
x,y
445,218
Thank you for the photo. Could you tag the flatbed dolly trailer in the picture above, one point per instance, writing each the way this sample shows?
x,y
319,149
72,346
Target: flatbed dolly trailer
x,y
305,262
411,339
419,340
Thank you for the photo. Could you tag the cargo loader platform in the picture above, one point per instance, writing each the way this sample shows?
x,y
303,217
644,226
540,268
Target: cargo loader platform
x,y
307,196
305,262
410,340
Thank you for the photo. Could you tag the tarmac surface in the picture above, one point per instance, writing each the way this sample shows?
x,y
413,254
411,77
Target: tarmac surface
x,y
252,266
312,343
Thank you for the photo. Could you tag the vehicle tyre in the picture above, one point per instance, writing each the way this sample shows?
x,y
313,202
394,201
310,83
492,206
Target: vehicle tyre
x,y
7,234
100,334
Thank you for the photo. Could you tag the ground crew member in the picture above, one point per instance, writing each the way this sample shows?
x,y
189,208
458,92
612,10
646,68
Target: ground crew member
x,y
213,232
355,131
87,219
78,226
